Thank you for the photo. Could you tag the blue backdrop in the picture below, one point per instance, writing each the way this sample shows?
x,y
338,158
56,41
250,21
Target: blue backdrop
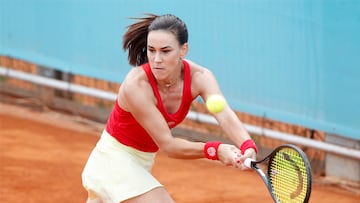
x,y
294,61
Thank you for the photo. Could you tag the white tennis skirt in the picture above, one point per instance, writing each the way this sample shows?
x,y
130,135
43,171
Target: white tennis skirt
x,y
115,172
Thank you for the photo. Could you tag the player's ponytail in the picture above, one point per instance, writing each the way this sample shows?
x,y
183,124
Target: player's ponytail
x,y
135,40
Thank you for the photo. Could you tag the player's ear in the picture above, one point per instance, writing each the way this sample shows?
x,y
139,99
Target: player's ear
x,y
184,50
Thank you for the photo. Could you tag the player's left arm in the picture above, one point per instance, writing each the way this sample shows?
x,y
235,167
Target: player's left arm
x,y
204,83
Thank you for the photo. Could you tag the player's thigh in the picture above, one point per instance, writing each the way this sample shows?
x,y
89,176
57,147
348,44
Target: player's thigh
x,y
158,195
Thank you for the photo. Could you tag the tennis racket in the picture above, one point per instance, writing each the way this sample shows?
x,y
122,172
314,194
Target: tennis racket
x,y
288,175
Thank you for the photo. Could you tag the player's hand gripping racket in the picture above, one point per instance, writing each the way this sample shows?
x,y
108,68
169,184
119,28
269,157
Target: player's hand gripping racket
x,y
288,176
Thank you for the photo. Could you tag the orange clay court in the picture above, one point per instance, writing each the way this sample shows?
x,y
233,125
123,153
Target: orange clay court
x,y
42,154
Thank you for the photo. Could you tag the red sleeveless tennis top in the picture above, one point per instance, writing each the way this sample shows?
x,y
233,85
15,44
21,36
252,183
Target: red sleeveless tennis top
x,y
124,127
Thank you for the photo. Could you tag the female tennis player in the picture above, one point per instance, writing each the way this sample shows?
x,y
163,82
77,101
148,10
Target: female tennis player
x,y
154,97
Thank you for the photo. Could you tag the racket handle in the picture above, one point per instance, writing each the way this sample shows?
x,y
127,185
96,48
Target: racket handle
x,y
248,161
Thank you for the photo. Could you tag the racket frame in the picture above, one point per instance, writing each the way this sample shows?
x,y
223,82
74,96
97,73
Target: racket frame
x,y
251,163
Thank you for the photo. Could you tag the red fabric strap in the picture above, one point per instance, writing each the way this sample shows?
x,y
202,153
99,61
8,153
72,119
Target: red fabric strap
x,y
211,149
249,143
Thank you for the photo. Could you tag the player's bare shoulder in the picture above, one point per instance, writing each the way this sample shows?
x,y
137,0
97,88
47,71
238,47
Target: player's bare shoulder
x,y
136,78
197,69
201,77
135,87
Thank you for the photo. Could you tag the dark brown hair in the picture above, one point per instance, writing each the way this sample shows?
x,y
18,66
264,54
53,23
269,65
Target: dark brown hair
x,y
135,39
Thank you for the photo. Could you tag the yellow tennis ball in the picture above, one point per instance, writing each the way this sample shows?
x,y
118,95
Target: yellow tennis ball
x,y
215,103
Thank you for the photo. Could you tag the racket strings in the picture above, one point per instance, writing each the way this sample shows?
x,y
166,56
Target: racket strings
x,y
288,176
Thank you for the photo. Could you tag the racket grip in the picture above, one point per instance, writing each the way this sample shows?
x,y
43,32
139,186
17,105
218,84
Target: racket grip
x,y
248,161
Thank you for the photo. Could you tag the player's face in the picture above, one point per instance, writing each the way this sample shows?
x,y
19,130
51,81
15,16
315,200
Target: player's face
x,y
164,53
